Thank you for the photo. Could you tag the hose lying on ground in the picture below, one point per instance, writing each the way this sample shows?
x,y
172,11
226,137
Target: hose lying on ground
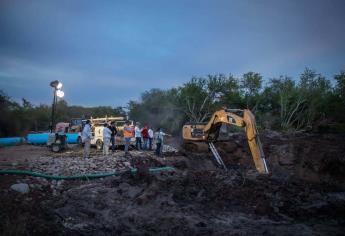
x,y
82,176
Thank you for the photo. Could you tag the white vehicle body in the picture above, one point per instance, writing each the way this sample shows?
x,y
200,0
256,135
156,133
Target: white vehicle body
x,y
97,126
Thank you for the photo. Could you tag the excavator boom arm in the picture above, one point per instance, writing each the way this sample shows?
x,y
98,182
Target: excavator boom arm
x,y
254,142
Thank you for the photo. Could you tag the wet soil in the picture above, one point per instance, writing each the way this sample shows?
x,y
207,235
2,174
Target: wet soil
x,y
303,195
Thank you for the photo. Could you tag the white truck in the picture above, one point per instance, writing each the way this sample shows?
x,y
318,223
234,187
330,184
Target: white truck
x,y
97,125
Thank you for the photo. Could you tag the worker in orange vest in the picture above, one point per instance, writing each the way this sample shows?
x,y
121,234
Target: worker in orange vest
x,y
128,134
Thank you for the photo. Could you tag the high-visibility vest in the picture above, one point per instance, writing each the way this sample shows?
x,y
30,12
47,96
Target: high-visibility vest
x,y
126,133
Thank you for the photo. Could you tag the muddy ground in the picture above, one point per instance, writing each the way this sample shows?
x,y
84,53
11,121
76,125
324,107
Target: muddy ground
x,y
303,195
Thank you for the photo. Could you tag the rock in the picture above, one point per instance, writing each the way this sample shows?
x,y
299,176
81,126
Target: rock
x,y
273,134
168,148
252,174
263,208
134,191
127,164
276,209
21,188
336,197
284,154
124,186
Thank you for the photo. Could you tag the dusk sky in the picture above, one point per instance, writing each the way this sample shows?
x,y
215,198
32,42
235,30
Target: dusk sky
x,y
109,52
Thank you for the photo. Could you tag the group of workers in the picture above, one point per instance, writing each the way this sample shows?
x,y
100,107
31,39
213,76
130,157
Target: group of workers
x,y
144,138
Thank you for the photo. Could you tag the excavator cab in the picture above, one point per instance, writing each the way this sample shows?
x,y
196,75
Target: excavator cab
x,y
193,131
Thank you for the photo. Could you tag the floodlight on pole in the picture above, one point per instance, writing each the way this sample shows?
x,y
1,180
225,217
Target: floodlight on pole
x,y
60,93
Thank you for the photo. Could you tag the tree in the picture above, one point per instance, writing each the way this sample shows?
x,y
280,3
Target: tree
x,y
336,103
231,93
251,84
340,86
291,102
316,90
199,97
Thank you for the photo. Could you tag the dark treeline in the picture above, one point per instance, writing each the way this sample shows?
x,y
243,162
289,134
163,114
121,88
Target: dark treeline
x,y
311,102
20,118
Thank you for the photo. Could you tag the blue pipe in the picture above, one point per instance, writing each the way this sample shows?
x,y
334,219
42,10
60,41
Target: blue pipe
x,y
72,137
37,138
43,138
11,141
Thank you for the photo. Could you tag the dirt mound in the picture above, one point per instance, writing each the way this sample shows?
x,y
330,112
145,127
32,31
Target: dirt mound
x,y
312,157
198,203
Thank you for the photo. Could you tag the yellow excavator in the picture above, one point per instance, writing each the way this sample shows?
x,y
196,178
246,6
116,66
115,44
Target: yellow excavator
x,y
197,134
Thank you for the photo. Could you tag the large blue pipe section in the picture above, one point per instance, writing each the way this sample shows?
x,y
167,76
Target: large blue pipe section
x,y
11,141
43,138
36,139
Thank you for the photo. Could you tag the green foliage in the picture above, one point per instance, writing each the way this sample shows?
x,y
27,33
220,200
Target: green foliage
x,y
231,93
336,106
197,97
340,87
251,84
283,103
200,97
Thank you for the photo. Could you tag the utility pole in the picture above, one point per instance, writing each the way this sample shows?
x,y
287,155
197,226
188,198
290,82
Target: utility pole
x,y
56,85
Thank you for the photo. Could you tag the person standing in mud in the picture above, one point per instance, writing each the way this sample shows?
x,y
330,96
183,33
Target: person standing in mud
x,y
150,132
137,133
106,139
86,136
127,134
113,135
159,136
145,135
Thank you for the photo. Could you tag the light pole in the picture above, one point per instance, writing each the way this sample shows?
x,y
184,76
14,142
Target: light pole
x,y
57,93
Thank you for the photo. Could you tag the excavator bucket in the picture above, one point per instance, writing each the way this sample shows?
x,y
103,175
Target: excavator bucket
x,y
255,143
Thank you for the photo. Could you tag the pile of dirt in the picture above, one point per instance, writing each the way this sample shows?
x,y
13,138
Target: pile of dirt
x,y
199,203
317,158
